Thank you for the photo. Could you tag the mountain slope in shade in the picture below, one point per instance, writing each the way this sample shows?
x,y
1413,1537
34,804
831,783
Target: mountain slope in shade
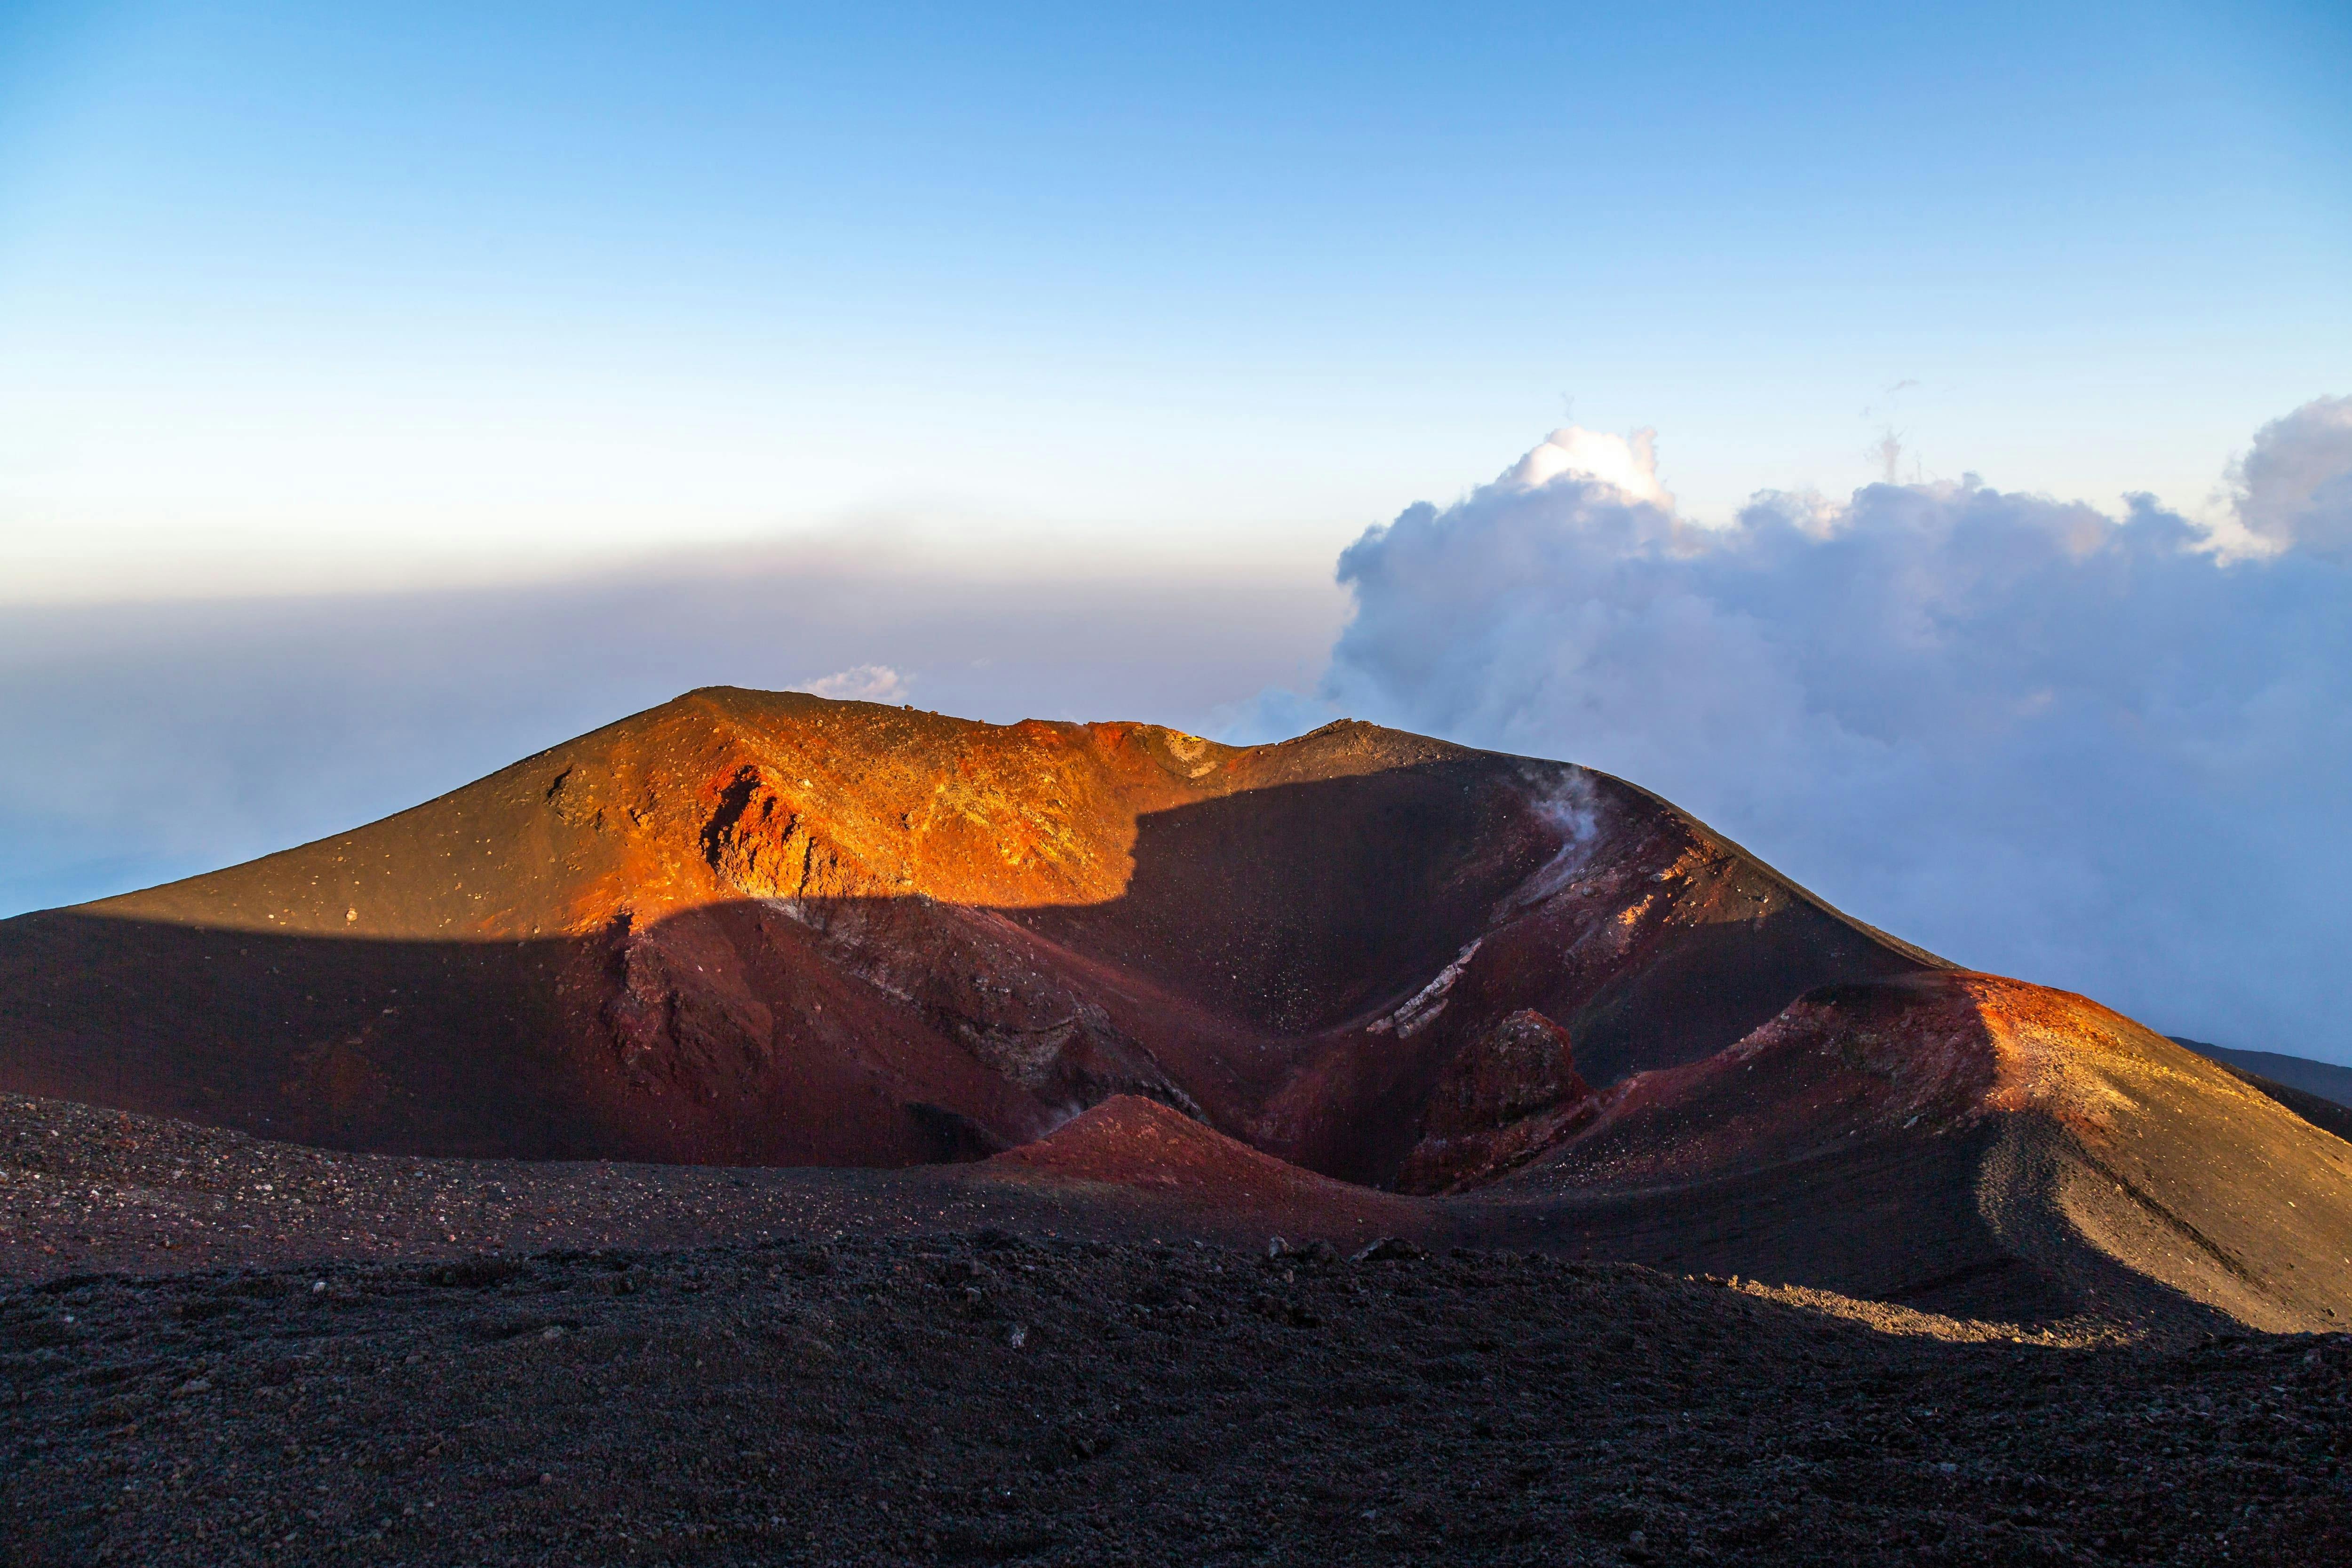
x,y
2327,1080
763,928
2319,1092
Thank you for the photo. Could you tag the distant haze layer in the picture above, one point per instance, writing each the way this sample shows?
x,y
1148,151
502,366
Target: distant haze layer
x,y
150,741
2105,750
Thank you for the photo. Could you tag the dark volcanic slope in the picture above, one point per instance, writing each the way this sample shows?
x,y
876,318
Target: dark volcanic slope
x,y
762,928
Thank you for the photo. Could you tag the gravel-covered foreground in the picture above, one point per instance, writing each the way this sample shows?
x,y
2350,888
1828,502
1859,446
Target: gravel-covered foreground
x,y
218,1350
988,1398
87,1191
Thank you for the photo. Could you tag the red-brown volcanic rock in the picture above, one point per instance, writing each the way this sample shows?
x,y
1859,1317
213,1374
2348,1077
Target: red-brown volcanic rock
x,y
1510,1092
1130,1142
763,928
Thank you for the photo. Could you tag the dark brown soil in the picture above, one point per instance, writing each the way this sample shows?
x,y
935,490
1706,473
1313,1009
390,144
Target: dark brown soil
x,y
85,1191
993,1398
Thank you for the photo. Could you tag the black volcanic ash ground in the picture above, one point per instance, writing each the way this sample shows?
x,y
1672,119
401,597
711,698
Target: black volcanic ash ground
x,y
952,1393
984,1399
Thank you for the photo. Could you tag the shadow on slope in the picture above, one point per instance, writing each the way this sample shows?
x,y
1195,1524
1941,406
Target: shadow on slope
x,y
607,988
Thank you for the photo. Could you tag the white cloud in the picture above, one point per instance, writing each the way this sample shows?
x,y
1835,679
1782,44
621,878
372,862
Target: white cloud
x,y
858,683
2293,489
1628,464
2082,748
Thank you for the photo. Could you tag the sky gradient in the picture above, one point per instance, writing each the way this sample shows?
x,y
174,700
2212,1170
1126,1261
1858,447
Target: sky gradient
x,y
295,297
387,393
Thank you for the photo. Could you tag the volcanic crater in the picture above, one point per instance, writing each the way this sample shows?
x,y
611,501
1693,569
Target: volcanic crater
x,y
781,968
760,929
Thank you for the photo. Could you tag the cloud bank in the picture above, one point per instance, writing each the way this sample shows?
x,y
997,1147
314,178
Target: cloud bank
x,y
2293,489
2112,752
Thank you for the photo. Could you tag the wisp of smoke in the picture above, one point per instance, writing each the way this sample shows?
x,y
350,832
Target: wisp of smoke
x,y
2111,753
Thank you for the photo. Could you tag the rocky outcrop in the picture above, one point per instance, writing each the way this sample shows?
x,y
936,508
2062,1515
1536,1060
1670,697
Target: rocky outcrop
x,y
1510,1092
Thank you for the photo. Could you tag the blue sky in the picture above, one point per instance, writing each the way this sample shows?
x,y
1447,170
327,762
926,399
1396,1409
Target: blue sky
x,y
294,295
389,391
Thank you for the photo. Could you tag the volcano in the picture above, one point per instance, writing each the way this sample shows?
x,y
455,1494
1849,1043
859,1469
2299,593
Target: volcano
x,y
758,929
